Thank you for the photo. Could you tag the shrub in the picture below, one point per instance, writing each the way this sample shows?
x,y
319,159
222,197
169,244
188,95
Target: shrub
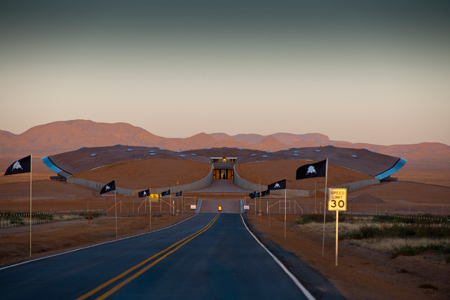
x,y
411,251
317,218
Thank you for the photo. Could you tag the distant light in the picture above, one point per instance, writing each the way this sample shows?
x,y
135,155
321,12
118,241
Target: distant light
x,y
129,149
253,154
286,149
193,154
240,149
117,145
330,145
317,150
296,151
153,153
264,156
179,151
93,154
355,155
268,151
161,149
208,148
182,155
295,154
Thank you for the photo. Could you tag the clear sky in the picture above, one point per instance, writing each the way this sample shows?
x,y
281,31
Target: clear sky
x,y
360,71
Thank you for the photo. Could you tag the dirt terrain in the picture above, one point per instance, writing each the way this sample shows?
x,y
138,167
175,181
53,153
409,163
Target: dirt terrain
x,y
361,273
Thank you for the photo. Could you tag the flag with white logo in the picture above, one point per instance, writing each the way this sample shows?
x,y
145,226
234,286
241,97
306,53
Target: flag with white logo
x,y
279,185
145,193
109,187
21,166
165,193
318,169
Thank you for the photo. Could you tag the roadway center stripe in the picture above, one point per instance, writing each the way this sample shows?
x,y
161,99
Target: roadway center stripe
x,y
180,243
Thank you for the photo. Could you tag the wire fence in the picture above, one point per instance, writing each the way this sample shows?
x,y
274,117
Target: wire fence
x,y
166,205
12,219
269,205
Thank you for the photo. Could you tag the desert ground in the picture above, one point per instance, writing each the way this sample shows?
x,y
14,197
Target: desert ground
x,y
364,272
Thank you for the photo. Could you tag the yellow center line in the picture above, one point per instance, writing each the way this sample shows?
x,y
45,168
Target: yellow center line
x,y
111,281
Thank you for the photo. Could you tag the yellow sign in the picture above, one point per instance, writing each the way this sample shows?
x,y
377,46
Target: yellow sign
x,y
338,199
153,198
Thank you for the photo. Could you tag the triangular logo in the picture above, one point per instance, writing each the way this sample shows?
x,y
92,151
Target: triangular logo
x,y
311,170
17,166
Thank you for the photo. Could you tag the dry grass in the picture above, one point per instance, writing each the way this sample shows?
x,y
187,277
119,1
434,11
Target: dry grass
x,y
379,244
391,244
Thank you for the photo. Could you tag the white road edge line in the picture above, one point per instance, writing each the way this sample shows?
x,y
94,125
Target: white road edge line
x,y
95,245
299,285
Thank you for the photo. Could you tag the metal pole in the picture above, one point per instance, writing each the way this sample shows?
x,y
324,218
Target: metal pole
x,y
115,201
259,211
315,196
337,235
31,196
324,208
285,213
150,214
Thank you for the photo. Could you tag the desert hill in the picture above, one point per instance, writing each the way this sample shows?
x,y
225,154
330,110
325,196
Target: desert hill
x,y
427,162
71,135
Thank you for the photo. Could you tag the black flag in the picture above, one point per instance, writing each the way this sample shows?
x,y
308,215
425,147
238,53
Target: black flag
x,y
145,193
318,169
279,185
179,193
109,187
165,193
266,192
252,195
21,166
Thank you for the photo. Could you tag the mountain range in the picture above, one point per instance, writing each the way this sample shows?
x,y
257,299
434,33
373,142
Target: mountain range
x,y
63,136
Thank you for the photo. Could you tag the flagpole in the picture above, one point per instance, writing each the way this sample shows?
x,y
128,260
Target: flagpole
x,y
324,207
31,196
115,201
150,212
285,213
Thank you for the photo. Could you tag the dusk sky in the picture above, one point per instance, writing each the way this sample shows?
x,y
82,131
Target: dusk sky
x,y
360,71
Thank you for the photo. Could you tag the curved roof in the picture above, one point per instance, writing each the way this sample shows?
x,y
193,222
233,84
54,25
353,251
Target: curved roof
x,y
360,160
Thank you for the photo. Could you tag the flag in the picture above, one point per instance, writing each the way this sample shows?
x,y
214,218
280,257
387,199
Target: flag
x,y
21,166
266,192
145,193
279,185
165,193
109,187
318,169
252,195
179,193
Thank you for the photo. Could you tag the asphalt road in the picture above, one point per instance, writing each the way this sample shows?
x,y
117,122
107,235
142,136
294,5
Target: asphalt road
x,y
210,256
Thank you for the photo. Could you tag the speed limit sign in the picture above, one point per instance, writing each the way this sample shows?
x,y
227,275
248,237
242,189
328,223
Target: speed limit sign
x,y
338,199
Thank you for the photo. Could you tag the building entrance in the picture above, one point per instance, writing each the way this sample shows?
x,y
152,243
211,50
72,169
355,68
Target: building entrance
x,y
223,174
223,167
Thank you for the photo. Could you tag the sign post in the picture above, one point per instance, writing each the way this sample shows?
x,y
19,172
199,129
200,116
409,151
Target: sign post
x,y
152,198
337,202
